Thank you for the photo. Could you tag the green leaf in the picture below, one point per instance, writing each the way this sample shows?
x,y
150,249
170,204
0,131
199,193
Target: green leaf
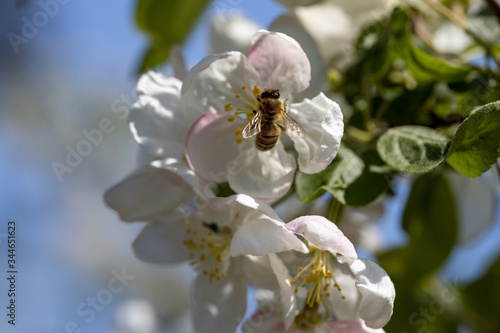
x,y
476,145
481,298
167,22
353,180
424,67
430,220
414,149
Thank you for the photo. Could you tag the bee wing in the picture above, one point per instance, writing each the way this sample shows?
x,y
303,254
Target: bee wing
x,y
253,126
292,126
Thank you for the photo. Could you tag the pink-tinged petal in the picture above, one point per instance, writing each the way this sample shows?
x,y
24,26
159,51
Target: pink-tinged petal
x,y
267,319
323,234
281,62
377,291
219,305
217,79
236,210
211,147
147,193
264,175
323,122
351,326
160,243
263,235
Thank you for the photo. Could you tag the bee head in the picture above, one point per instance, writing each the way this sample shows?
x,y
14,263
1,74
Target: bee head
x,y
270,93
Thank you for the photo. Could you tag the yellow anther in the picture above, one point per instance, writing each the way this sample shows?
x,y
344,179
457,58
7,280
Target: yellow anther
x,y
243,87
296,290
230,119
228,106
239,140
343,297
292,281
257,91
188,231
223,274
237,132
205,272
300,269
237,95
327,294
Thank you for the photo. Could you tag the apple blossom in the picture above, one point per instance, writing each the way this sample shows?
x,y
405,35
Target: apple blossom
x,y
332,276
225,86
159,121
213,241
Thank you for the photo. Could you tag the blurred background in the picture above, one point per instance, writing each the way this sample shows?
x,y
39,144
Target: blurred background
x,y
74,71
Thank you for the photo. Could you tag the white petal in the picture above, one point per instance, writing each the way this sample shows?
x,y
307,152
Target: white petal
x,y
236,210
264,175
377,290
160,243
211,147
160,120
323,234
323,122
348,307
219,306
259,272
216,80
232,33
267,319
198,186
263,235
287,293
281,62
147,193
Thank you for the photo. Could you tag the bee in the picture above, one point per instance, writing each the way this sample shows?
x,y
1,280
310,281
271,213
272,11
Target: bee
x,y
270,120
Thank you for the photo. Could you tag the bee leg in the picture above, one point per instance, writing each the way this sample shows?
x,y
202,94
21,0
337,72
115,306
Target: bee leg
x,y
282,128
254,111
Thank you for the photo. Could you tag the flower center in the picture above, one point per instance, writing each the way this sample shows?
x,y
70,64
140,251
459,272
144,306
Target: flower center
x,y
210,250
243,106
317,277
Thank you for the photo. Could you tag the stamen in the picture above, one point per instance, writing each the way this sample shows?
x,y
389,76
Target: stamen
x,y
238,131
230,119
239,141
257,90
228,106
243,87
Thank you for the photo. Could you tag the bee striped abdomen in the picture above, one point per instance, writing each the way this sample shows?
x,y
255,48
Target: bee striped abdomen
x,y
268,136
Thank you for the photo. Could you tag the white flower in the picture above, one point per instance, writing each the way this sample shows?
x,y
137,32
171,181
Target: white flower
x,y
333,276
232,33
214,242
333,40
159,121
226,86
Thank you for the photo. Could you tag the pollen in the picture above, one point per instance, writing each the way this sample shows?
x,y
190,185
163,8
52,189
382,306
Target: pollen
x,y
237,95
228,106
317,277
239,140
243,87
230,119
257,90
237,132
